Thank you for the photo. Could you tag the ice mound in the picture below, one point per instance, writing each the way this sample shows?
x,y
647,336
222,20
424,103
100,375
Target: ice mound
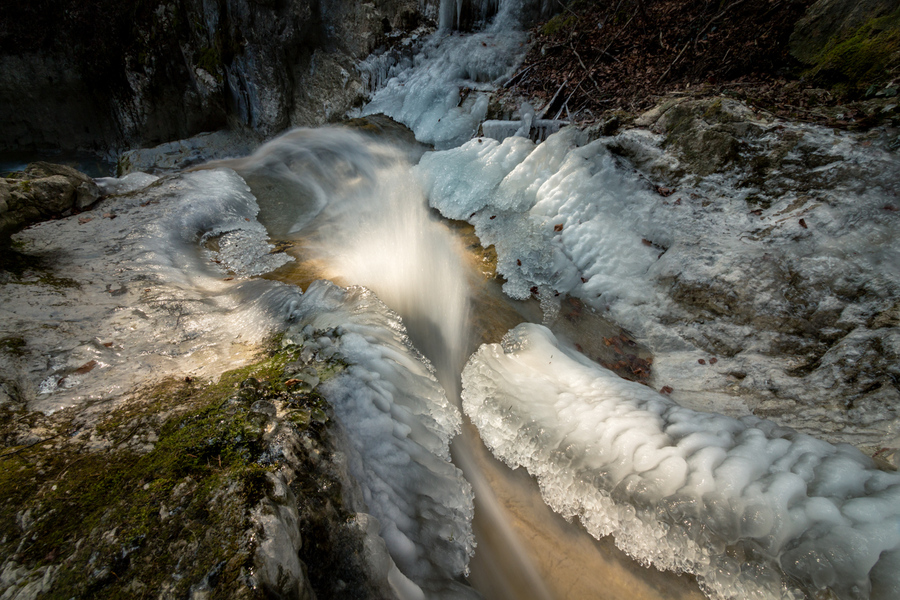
x,y
752,509
560,216
398,424
122,185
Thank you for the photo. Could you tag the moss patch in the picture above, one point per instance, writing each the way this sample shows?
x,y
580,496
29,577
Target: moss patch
x,y
865,60
13,345
164,505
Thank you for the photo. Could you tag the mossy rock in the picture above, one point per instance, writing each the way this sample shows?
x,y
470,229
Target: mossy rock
x,y
159,496
851,47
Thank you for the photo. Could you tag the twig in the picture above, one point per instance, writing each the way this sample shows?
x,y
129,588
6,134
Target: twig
x,y
573,13
586,70
553,99
717,17
31,445
673,62
518,76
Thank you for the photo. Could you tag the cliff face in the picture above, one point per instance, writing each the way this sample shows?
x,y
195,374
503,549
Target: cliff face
x,y
100,74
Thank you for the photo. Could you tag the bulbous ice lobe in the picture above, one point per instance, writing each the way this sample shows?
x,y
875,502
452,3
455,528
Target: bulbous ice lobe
x,y
752,509
398,424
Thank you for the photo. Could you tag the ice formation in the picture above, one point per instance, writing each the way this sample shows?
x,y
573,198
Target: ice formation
x,y
210,205
398,424
699,273
561,216
753,509
442,95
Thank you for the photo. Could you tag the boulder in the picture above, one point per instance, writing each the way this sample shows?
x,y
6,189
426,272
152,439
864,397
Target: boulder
x,y
44,190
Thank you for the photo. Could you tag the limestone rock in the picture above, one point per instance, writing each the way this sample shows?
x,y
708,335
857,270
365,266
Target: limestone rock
x,y
708,133
185,68
42,191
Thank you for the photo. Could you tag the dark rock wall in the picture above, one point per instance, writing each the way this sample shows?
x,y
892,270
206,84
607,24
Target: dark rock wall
x,y
104,73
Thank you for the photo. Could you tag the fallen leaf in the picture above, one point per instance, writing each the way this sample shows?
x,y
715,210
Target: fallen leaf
x,y
83,220
558,227
292,382
713,360
518,262
701,361
666,390
646,242
108,344
803,224
664,191
86,367
228,279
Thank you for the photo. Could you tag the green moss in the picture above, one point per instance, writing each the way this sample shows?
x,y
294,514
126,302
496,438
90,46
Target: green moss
x,y
870,56
123,166
13,345
184,462
210,61
563,22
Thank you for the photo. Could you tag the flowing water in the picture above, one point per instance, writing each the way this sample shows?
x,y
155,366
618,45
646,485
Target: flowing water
x,y
351,211
751,509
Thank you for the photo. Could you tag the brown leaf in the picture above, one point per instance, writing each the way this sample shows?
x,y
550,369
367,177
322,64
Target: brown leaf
x,y
666,390
292,382
803,224
701,361
646,242
558,227
86,367
713,360
664,191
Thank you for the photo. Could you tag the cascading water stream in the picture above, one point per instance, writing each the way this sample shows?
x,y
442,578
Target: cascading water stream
x,y
362,217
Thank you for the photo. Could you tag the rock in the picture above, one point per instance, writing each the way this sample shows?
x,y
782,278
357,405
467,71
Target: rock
x,y
183,68
828,21
851,46
44,190
86,191
181,154
709,133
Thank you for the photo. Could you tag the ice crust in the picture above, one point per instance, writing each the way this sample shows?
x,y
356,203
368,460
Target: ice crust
x,y
753,509
560,216
398,424
441,93
211,205
699,273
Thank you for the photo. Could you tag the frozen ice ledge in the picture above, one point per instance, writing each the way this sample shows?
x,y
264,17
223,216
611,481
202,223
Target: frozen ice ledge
x,y
752,509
